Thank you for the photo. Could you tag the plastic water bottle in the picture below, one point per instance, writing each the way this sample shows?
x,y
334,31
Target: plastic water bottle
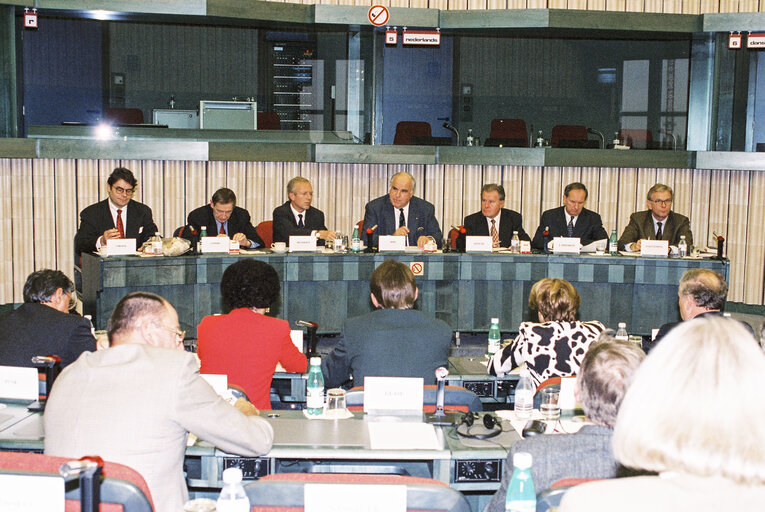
x,y
232,497
540,140
524,395
521,496
613,244
355,240
469,138
682,247
621,332
202,234
156,244
315,388
494,336
515,244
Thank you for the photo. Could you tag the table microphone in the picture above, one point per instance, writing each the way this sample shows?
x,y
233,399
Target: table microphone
x,y
440,417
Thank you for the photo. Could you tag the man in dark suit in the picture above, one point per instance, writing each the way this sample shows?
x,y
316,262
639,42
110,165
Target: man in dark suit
x,y
399,213
656,223
42,325
296,217
494,218
118,216
223,217
585,224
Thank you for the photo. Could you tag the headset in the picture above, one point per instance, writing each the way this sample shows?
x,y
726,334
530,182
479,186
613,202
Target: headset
x,y
490,422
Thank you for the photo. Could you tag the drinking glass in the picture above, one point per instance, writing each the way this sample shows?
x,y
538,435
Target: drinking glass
x,y
335,406
549,405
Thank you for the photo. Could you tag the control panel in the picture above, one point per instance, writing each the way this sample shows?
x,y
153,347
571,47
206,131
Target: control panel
x,y
477,471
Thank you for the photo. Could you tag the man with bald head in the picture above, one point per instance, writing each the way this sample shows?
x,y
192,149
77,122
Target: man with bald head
x,y
400,213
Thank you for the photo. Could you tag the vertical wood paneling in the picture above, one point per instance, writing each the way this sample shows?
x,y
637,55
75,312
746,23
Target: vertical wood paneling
x,y
755,241
65,214
42,207
6,232
22,226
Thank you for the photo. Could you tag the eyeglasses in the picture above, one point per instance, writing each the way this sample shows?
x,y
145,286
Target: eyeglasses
x,y
121,191
662,202
178,333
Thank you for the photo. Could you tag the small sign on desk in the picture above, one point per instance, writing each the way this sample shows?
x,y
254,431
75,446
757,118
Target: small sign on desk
x,y
566,245
302,243
120,247
478,244
654,248
354,497
19,383
404,395
212,244
392,243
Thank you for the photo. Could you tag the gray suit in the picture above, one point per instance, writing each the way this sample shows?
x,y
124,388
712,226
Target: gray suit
x,y
641,227
135,404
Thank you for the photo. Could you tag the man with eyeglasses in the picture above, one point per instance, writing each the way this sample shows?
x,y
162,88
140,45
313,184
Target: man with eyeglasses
x,y
659,222
117,216
42,325
136,402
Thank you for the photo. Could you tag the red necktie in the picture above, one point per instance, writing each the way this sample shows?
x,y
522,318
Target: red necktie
x,y
222,229
120,226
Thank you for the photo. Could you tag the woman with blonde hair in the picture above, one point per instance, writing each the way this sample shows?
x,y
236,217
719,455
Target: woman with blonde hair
x,y
694,415
554,346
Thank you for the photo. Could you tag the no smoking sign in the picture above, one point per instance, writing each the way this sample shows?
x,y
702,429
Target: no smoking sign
x,y
378,15
418,268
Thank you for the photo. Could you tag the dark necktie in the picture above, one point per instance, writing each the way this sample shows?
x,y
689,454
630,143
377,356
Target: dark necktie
x,y
570,227
658,231
300,220
120,226
222,229
401,220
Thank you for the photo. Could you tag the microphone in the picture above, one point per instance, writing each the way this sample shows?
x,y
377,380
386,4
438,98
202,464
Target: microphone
x,y
303,323
309,338
441,374
460,229
672,135
451,127
371,230
596,132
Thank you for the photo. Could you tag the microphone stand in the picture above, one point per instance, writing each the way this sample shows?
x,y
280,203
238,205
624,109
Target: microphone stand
x,y
450,127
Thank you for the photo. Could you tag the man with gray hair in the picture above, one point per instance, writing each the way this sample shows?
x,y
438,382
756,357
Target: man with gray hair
x,y
42,325
659,222
297,217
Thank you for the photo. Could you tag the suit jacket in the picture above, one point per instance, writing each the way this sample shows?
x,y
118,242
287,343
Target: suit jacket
x,y
285,224
588,227
585,454
97,218
509,221
421,222
238,222
388,343
135,404
39,330
664,329
641,227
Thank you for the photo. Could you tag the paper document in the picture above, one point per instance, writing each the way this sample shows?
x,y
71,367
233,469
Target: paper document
x,y
385,435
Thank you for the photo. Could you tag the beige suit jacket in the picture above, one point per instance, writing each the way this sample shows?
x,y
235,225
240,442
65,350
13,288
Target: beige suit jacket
x,y
135,404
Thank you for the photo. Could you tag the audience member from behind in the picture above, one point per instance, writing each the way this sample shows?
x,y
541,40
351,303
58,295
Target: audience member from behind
x,y
554,346
394,340
603,379
42,325
693,415
245,344
135,403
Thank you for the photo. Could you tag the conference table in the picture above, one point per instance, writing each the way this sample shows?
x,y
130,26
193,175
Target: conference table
x,y
463,289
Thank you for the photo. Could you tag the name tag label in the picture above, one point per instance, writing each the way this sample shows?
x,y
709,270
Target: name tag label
x,y
478,244
20,493
215,244
390,243
18,383
354,497
566,245
654,248
302,243
567,399
404,394
120,247
525,247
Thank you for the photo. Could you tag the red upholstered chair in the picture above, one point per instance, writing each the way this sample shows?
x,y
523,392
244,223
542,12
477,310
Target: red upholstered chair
x,y
123,488
566,135
124,115
454,234
636,139
266,231
284,492
405,130
269,121
549,499
508,133
360,224
552,381
456,399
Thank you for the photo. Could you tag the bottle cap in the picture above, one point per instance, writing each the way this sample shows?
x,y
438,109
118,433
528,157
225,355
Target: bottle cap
x,y
234,475
316,361
521,460
495,320
622,325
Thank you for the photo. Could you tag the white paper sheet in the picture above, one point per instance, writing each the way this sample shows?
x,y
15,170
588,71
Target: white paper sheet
x,y
385,435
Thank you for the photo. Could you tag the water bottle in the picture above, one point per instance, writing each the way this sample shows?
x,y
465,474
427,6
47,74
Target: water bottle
x,y
621,332
540,140
613,244
232,497
469,138
524,395
315,388
156,244
616,141
682,247
521,496
202,234
515,244
494,336
546,236
355,240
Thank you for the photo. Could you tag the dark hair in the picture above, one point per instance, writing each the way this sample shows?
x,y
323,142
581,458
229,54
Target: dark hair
x,y
575,186
249,284
393,285
42,284
121,173
707,287
224,196
131,309
491,187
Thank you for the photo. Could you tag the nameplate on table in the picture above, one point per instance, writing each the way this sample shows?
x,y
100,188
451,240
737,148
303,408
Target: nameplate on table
x,y
391,243
213,244
567,398
654,248
120,247
478,244
402,395
18,383
354,497
302,243
21,493
525,247
566,245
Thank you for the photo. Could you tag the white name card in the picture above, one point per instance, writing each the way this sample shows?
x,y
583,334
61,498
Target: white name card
x,y
354,497
212,244
566,245
478,244
120,247
654,248
401,394
22,493
391,243
302,243
566,399
525,247
18,383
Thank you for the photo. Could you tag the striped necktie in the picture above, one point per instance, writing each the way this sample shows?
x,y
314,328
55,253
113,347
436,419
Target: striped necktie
x,y
494,233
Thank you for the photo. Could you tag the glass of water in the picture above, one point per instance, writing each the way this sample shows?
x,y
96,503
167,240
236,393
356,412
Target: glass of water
x,y
549,405
341,242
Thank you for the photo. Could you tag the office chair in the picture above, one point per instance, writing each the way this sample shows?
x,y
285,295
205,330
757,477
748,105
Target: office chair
x,y
269,121
572,136
549,499
406,130
124,115
266,231
456,399
636,139
508,133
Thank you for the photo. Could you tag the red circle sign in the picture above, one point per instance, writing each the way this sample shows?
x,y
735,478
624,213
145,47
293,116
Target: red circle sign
x,y
378,15
417,268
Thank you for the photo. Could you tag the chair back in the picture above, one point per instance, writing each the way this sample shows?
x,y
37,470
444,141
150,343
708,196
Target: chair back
x,y
565,134
552,382
269,121
456,399
636,139
124,115
123,488
454,234
405,130
549,499
509,133
284,492
266,231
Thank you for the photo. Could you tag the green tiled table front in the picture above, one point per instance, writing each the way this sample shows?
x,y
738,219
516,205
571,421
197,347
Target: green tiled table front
x,y
464,290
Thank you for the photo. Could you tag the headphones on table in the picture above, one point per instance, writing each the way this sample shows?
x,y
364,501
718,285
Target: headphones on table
x,y
489,421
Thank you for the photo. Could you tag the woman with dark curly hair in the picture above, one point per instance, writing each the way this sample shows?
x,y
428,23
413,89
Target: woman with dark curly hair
x,y
245,344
